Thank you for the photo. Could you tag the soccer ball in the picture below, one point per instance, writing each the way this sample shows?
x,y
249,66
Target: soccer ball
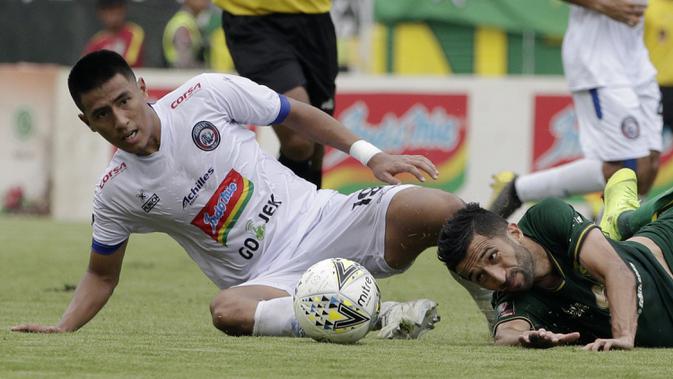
x,y
336,300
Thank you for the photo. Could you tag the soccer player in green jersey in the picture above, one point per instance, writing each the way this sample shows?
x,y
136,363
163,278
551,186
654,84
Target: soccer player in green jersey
x,y
555,271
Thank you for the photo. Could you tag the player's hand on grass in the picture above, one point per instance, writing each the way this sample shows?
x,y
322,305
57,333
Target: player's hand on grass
x,y
607,344
37,328
386,166
627,11
544,339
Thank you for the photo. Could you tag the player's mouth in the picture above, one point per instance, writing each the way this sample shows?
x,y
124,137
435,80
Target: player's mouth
x,y
131,137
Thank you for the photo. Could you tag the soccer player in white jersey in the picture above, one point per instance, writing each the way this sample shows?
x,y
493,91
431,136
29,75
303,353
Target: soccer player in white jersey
x,y
614,89
187,166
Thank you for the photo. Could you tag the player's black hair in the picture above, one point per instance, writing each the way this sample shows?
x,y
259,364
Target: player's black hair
x,y
93,70
457,232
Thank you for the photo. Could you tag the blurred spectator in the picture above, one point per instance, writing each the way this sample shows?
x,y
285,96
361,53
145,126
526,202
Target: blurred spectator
x,y
659,41
13,201
217,54
123,37
184,44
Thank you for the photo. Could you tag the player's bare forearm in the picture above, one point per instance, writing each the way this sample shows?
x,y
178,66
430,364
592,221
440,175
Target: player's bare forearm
x,y
91,295
518,333
318,126
621,291
603,262
508,333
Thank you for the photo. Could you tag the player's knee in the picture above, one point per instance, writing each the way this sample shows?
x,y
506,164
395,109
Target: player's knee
x,y
226,311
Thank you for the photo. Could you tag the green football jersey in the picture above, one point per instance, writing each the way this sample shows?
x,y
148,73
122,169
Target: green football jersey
x,y
579,303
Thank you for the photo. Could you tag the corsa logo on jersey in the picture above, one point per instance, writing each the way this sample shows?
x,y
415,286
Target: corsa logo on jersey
x,y
192,90
111,174
223,209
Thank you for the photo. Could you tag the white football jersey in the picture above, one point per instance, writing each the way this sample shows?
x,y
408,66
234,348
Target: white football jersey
x,y
210,186
599,51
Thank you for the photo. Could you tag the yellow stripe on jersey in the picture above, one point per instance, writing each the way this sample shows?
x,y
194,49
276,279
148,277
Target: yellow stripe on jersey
x,y
262,7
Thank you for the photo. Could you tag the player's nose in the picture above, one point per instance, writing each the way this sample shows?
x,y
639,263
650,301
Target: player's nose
x,y
121,120
496,276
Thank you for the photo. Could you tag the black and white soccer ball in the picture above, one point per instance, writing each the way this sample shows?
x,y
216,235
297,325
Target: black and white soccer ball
x,y
337,300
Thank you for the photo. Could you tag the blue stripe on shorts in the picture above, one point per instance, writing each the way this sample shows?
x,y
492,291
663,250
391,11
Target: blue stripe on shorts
x,y
597,103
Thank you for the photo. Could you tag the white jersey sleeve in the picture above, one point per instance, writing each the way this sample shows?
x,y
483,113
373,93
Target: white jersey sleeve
x,y
109,230
247,102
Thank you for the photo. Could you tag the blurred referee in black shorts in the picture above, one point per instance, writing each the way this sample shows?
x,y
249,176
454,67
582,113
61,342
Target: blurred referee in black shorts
x,y
290,47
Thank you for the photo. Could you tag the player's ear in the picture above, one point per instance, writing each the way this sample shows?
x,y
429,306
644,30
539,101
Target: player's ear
x,y
143,87
514,231
85,120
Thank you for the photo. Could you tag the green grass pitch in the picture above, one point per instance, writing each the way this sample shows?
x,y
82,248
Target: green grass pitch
x,y
157,324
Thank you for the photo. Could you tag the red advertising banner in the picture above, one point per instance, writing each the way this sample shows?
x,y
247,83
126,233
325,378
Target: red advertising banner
x,y
434,125
555,133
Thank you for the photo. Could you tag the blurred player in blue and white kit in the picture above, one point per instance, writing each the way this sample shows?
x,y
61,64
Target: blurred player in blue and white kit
x,y
187,166
616,97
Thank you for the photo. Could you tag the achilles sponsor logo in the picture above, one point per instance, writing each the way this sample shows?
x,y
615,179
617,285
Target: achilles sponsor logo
x,y
192,90
194,191
150,203
111,174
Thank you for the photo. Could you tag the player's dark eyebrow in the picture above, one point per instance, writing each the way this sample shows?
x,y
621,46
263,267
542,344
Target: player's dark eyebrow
x,y
106,107
471,260
479,259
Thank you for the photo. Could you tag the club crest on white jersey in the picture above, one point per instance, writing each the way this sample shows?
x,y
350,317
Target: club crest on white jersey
x,y
206,136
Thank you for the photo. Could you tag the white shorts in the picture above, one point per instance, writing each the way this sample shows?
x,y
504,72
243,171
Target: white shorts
x,y
349,226
619,123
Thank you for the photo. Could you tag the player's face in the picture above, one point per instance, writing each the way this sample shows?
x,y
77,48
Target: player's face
x,y
117,110
113,18
498,263
198,5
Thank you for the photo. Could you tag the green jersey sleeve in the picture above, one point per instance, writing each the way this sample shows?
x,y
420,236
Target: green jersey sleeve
x,y
558,227
552,313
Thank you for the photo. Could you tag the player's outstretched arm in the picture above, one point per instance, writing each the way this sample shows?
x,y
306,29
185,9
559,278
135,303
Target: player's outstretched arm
x,y
604,264
320,127
627,11
92,292
518,333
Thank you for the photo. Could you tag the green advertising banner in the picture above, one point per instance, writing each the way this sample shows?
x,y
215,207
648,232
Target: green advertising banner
x,y
548,17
